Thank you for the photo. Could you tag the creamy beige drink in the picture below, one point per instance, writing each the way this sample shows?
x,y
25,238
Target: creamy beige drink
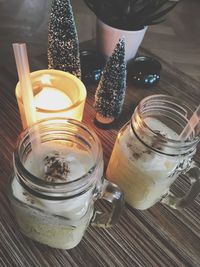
x,y
143,175
53,189
57,223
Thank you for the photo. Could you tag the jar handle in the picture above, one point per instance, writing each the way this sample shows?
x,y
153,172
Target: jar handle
x,y
113,194
179,203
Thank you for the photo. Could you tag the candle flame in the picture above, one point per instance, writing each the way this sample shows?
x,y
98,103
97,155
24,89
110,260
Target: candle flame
x,y
52,99
46,79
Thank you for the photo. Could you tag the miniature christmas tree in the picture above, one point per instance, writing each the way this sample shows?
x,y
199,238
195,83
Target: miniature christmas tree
x,y
63,45
110,92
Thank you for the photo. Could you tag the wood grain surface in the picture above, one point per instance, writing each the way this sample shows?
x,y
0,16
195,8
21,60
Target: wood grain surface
x,y
159,236
156,237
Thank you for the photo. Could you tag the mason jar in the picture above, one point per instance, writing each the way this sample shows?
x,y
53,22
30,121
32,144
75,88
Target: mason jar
x,y
150,153
53,189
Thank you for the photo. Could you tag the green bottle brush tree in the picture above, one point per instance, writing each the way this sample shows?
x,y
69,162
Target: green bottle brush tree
x,y
63,45
110,93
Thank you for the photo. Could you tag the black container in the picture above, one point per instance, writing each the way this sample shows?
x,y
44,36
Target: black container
x,y
92,64
144,71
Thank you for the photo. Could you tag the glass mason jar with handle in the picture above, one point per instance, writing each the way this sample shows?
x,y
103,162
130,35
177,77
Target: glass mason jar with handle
x,y
54,202
149,154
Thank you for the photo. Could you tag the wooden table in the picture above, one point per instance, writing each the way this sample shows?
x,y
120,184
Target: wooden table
x,y
159,236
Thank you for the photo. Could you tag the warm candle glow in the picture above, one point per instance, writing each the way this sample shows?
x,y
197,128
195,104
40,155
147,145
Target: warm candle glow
x,y
46,79
52,99
56,94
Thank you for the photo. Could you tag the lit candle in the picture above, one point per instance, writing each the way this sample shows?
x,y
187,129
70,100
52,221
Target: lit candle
x,y
52,99
56,94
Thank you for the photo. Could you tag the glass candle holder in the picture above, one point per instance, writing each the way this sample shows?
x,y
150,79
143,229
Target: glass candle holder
x,y
56,94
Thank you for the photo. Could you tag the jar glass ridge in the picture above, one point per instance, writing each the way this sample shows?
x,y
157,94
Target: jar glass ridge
x,y
172,112
68,131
